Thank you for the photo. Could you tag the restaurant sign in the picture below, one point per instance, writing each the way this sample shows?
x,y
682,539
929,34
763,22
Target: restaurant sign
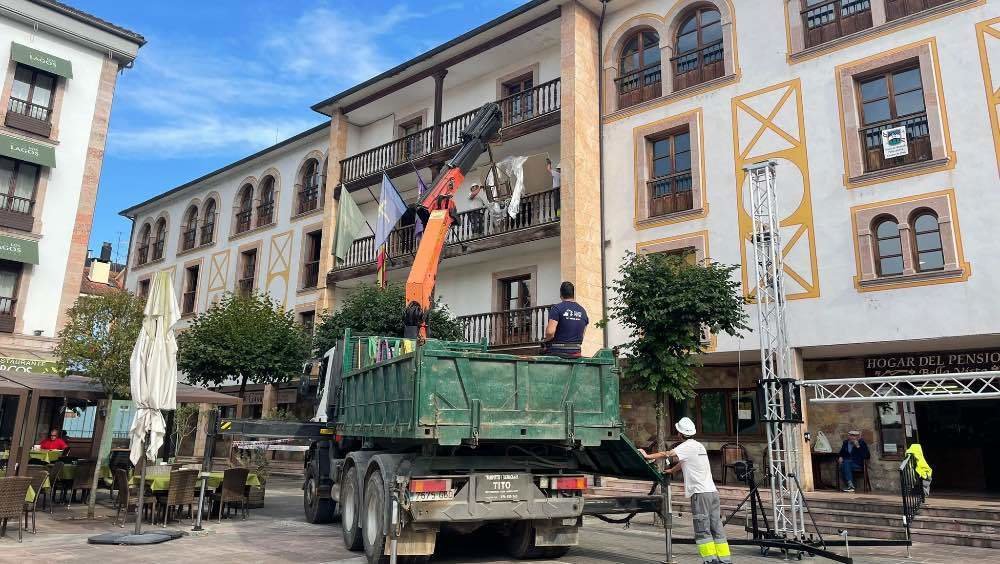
x,y
932,363
41,60
28,365
256,397
18,250
24,150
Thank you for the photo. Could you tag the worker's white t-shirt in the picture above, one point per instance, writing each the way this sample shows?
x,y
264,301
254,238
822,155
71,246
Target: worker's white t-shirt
x,y
694,463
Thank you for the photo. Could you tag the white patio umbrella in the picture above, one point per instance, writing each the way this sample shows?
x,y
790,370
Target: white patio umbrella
x,y
154,375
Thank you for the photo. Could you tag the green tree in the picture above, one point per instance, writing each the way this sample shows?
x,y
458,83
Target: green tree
x,y
379,311
664,301
250,338
97,342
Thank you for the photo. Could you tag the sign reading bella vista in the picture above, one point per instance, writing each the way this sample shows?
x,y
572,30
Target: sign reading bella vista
x,y
932,363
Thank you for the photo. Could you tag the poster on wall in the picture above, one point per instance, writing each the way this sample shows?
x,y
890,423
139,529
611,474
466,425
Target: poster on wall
x,y
894,142
932,363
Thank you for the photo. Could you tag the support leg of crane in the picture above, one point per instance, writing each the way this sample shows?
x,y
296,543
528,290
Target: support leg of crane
x,y
394,531
668,519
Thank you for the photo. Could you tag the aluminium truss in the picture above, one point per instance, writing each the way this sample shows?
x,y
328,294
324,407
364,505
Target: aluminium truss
x,y
918,387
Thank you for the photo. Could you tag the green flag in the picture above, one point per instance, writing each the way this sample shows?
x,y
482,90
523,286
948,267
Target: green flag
x,y
350,223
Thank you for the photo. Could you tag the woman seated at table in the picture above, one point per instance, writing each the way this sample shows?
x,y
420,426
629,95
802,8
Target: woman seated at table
x,y
54,441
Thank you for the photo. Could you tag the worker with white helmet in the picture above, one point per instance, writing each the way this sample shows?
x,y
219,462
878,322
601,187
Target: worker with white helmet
x,y
692,458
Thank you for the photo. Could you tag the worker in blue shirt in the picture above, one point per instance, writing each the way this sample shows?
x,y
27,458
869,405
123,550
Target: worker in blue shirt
x,y
567,325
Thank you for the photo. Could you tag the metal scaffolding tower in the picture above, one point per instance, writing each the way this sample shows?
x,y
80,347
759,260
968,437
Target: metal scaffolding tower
x,y
777,380
918,387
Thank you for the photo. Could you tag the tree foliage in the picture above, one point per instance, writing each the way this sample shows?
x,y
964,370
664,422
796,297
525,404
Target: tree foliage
x,y
250,338
98,339
663,301
379,311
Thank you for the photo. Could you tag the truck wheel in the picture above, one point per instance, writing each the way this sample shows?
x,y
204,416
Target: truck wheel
x,y
374,519
317,510
521,544
350,509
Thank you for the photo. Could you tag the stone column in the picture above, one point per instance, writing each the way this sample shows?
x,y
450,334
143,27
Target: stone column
x,y
270,399
201,432
805,448
338,152
580,237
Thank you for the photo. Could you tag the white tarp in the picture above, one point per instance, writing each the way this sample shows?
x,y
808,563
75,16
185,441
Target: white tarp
x,y
513,169
154,368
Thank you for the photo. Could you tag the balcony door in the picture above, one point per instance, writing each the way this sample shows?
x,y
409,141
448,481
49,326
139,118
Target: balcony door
x,y
515,310
18,181
412,148
10,277
517,94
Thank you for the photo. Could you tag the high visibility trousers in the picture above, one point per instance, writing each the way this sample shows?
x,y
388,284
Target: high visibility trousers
x,y
708,531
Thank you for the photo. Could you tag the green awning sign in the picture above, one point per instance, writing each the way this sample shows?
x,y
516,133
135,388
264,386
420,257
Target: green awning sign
x,y
39,60
24,150
18,250
14,364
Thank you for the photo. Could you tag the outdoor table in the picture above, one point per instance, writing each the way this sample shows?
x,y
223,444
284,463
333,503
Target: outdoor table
x,y
30,496
45,455
214,480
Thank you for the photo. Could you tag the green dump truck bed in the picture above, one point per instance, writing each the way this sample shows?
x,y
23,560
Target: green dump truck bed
x,y
448,392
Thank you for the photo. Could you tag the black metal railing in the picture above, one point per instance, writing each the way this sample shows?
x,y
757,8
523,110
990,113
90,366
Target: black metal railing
x,y
524,326
835,18
188,238
207,232
26,108
911,488
158,249
308,197
639,85
670,194
534,209
310,273
142,254
265,213
538,101
244,286
895,9
918,140
699,65
8,306
187,302
16,204
243,220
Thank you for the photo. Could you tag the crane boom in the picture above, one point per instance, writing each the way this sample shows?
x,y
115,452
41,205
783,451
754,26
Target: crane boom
x,y
439,203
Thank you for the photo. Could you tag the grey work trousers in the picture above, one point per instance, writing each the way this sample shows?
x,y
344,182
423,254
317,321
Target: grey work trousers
x,y
709,534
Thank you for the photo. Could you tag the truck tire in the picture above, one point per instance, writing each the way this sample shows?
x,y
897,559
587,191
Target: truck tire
x,y
350,510
521,544
317,510
374,519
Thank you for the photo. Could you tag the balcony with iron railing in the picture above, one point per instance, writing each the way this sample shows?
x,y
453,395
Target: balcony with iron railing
x,y
308,197
243,220
189,238
475,230
7,308
835,18
310,274
639,85
17,212
142,254
265,213
522,113
918,140
698,66
670,194
507,329
158,249
26,116
208,232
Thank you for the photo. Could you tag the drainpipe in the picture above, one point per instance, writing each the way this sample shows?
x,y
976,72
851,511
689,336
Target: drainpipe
x,y
600,160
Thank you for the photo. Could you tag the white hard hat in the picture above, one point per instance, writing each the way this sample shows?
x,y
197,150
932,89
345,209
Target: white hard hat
x,y
685,426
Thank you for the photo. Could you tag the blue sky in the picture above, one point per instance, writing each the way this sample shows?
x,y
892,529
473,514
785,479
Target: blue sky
x,y
220,80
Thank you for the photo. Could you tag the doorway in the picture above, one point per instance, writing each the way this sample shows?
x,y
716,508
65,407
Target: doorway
x,y
960,441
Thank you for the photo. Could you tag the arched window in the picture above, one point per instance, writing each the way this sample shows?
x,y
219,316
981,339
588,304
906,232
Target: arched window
x,y
208,223
309,187
927,241
161,238
245,209
639,77
888,247
142,251
265,210
189,237
698,53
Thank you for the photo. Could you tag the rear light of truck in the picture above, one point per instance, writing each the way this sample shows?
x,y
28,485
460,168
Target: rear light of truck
x,y
573,483
430,486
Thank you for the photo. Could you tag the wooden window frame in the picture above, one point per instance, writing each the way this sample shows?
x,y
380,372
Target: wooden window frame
x,y
674,178
159,239
190,290
309,261
243,210
142,286
267,207
242,288
309,195
209,221
23,121
142,249
10,203
692,122
643,83
879,257
917,251
898,9
311,328
703,51
189,233
917,121
728,415
843,24
8,319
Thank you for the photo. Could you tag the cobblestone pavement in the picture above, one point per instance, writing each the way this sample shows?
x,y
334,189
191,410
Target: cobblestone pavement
x,y
278,534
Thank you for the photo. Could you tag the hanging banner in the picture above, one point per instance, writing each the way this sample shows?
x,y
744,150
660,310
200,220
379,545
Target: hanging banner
x,y
894,142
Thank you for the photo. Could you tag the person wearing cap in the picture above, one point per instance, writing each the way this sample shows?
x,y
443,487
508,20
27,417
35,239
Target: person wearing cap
x,y
555,171
692,458
853,455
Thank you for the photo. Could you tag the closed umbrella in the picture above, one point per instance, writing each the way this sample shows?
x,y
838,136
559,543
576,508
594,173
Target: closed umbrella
x,y
154,375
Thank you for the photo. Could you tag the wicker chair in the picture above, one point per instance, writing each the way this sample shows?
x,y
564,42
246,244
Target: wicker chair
x,y
38,477
54,482
83,480
128,496
233,490
179,493
13,490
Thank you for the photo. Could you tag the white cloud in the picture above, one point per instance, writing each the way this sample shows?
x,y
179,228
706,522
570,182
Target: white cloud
x,y
204,135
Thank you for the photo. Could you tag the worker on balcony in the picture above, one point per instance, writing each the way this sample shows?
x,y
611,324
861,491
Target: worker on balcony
x,y
706,513
567,325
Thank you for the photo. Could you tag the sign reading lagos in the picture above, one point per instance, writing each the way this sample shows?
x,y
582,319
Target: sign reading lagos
x,y
11,247
25,149
46,61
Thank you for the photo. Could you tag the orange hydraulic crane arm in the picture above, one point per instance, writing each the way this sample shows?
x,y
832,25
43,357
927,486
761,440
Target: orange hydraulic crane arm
x,y
438,202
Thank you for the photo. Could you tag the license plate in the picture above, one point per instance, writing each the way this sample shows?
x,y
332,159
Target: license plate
x,y
504,486
431,496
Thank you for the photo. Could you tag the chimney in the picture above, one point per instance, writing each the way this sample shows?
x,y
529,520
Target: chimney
x,y
106,252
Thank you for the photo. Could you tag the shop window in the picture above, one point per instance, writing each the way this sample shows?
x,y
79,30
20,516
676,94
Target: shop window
x,y
722,413
826,20
244,210
890,100
190,289
31,98
160,239
265,209
698,51
670,180
10,279
247,273
208,223
310,264
18,183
